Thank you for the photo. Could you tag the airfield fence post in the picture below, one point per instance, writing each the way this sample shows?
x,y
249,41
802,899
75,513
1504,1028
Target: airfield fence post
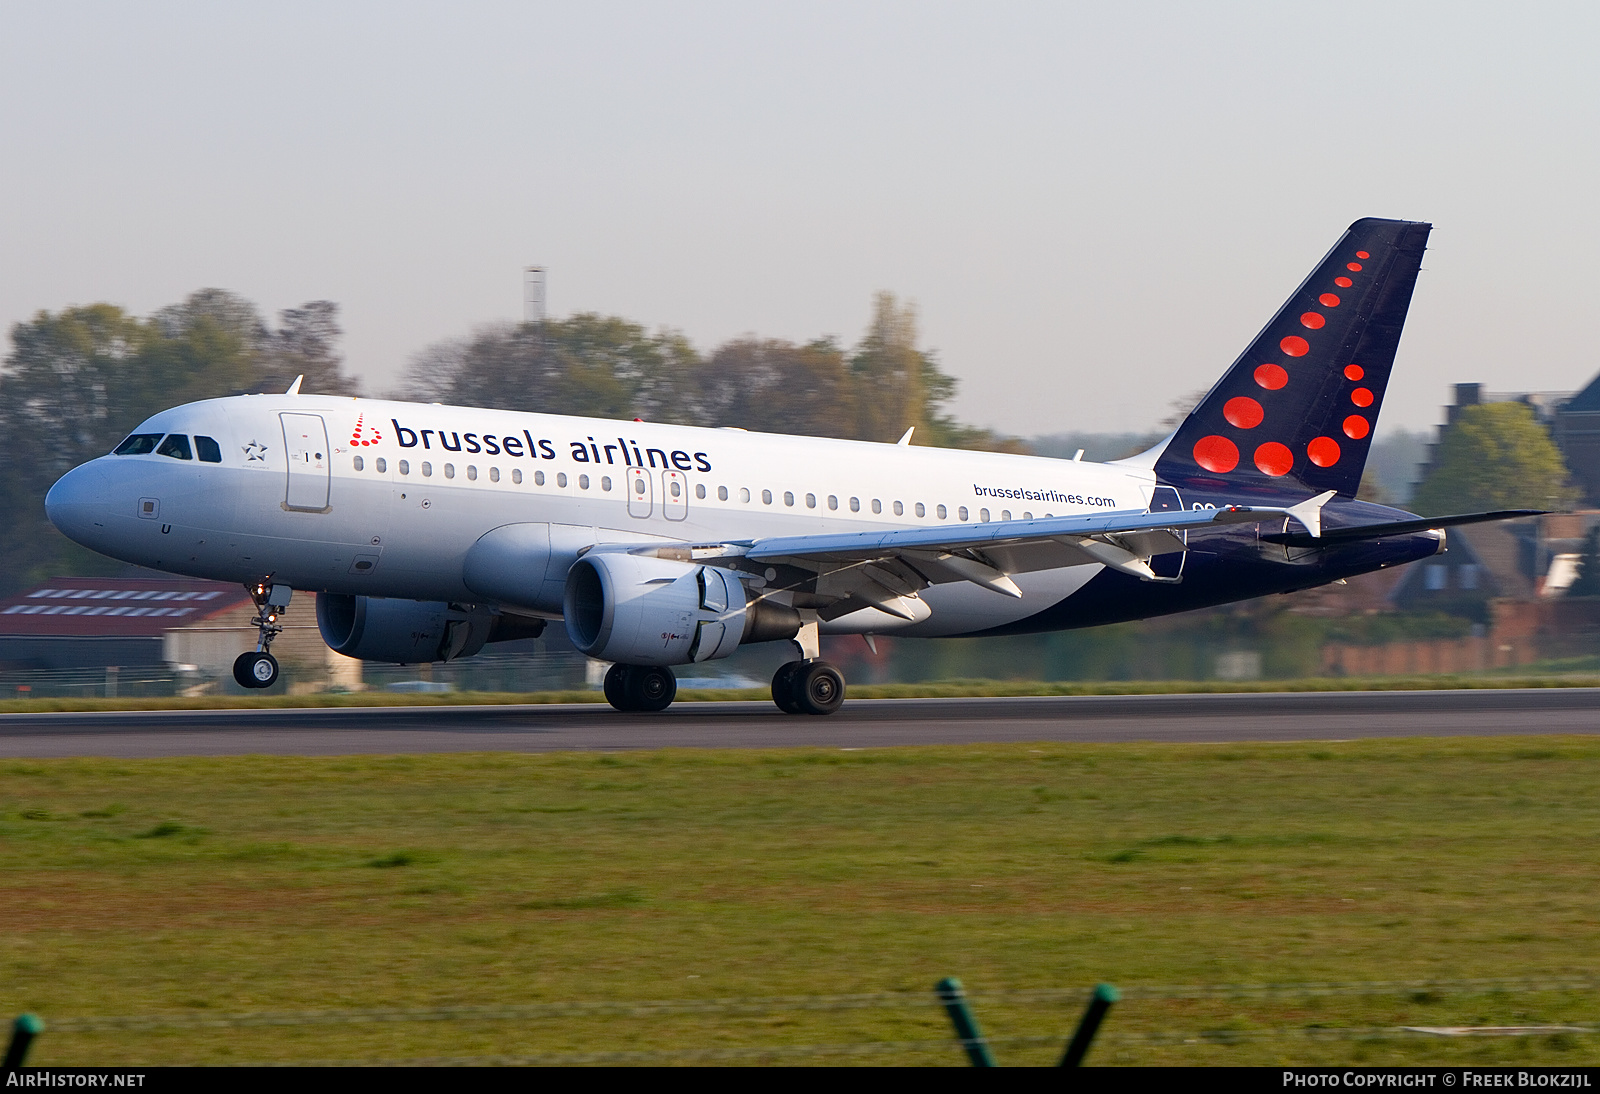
x,y
1099,1003
23,1031
954,998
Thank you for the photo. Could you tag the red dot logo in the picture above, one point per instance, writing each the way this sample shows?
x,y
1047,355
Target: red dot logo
x,y
1354,372
1313,320
1243,412
1343,282
1328,300
1295,346
1274,459
1356,266
1361,397
1323,451
1362,254
1356,427
1271,377
1216,454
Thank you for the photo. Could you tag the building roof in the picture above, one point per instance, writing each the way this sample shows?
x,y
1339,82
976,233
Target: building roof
x,y
1586,401
101,607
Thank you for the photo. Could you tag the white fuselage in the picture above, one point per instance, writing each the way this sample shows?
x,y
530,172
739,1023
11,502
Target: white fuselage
x,y
387,498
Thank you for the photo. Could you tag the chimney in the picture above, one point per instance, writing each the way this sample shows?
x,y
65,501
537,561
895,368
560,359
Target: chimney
x,y
533,294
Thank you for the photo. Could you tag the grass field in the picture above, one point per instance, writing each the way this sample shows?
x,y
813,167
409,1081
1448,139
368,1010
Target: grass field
x,y
939,690
200,888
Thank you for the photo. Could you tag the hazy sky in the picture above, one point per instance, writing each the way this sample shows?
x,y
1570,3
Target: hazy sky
x,y
1094,205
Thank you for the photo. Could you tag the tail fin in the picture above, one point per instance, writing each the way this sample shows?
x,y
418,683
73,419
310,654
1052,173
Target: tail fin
x,y
1296,411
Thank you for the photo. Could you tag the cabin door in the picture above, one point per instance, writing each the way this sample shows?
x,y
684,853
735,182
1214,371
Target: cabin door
x,y
305,439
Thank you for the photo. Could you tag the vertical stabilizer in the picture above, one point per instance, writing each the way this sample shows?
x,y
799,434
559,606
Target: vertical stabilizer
x,y
1296,412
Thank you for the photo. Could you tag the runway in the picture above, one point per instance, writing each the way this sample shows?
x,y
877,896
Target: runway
x,y
863,723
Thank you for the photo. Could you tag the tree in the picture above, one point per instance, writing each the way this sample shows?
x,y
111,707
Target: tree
x,y
1495,456
778,387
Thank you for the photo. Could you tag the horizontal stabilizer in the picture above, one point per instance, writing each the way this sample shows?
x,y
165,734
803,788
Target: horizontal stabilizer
x,y
1395,528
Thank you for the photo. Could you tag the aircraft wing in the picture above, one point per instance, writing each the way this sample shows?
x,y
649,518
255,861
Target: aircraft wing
x,y
887,569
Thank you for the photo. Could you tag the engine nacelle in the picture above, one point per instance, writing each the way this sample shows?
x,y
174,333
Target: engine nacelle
x,y
405,632
645,610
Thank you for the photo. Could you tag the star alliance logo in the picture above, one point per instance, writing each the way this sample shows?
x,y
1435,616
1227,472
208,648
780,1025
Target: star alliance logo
x,y
255,452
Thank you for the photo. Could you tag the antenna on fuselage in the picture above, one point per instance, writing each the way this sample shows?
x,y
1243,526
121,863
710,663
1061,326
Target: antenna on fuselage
x,y
294,388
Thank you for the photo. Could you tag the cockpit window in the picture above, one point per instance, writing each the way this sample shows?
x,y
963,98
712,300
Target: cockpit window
x,y
138,444
177,446
208,449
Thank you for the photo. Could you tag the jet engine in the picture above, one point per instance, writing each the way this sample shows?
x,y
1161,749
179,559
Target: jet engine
x,y
406,632
646,610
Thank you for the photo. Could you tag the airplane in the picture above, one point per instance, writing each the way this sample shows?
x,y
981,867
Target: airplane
x,y
429,531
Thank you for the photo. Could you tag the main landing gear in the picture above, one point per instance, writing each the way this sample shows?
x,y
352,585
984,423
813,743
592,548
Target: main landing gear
x,y
258,668
640,687
809,685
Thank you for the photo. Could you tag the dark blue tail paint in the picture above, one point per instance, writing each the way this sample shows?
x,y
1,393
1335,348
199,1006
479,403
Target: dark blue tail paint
x,y
1293,417
1295,414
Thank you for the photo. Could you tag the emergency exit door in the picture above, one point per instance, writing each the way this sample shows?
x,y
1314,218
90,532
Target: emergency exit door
x,y
639,500
305,439
674,495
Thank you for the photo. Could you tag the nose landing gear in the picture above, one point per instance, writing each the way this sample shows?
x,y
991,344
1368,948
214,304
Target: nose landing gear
x,y
258,668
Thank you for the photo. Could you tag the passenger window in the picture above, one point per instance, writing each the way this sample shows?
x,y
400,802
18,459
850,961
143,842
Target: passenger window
x,y
427,469
538,477
383,464
1005,514
405,467
494,474
1027,516
744,494
788,497
922,510
675,488
961,514
449,470
877,506
208,450
811,501
583,482
358,464
605,482
899,509
983,516
139,444
700,490
941,511
722,493
561,479
855,505
833,502
472,472
766,497
177,446
516,475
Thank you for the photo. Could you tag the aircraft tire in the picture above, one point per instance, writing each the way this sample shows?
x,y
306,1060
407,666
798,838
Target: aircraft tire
x,y
616,686
818,688
649,687
783,687
255,670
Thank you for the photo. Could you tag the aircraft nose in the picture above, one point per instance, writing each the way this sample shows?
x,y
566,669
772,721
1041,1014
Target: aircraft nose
x,y
76,504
